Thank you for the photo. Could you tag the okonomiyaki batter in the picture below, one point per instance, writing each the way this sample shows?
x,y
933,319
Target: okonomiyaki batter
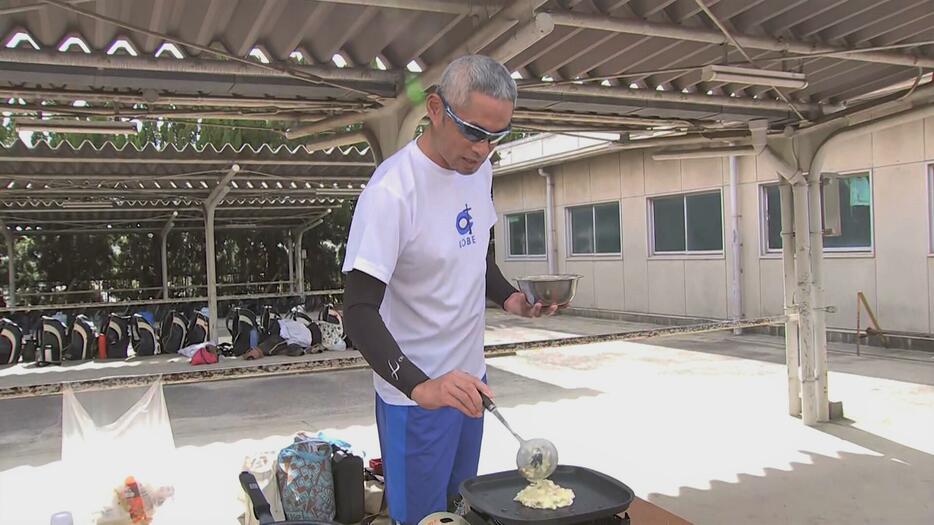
x,y
545,494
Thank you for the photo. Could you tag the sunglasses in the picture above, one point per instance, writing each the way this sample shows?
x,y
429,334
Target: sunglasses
x,y
475,133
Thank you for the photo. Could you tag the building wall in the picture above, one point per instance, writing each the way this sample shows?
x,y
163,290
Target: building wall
x,y
897,275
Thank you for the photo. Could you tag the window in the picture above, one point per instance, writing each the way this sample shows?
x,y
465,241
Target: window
x,y
594,230
526,233
772,212
931,205
687,223
847,213
854,195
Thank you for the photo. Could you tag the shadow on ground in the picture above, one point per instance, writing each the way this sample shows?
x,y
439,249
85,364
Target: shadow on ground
x,y
880,363
229,411
816,490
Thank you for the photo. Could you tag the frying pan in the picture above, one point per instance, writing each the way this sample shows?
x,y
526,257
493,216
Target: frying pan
x,y
261,509
596,496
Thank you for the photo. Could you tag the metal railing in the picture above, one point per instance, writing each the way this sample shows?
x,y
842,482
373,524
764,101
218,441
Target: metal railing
x,y
174,300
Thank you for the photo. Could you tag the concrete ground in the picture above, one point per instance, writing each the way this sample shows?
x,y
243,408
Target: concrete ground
x,y
697,425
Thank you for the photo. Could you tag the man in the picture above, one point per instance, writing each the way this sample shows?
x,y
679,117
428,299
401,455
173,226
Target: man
x,y
418,275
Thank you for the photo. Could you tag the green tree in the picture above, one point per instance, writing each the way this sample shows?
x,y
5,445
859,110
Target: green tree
x,y
133,261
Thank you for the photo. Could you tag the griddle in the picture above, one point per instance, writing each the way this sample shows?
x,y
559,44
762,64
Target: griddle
x,y
596,496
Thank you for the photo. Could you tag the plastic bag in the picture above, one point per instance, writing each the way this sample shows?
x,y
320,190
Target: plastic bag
x,y
104,441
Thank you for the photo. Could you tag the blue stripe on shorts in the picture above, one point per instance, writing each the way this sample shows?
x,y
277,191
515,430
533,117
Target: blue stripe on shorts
x,y
426,455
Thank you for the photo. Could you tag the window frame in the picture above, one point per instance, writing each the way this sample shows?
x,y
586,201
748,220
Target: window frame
x,y
861,251
525,257
764,249
929,182
693,254
857,251
569,237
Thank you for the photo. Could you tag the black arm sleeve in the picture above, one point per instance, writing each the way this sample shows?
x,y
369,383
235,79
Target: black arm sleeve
x,y
498,288
363,295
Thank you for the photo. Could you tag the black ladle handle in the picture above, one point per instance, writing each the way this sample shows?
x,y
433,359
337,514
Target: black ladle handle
x,y
487,402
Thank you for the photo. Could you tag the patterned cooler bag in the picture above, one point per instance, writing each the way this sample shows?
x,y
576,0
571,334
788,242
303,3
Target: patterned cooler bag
x,y
306,483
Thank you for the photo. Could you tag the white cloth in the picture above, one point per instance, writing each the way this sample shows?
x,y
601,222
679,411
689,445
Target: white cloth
x,y
295,333
190,350
424,231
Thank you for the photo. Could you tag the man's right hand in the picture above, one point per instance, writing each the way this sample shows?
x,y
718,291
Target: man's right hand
x,y
455,389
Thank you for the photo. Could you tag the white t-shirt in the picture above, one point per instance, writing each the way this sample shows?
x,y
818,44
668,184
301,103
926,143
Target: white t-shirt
x,y
424,231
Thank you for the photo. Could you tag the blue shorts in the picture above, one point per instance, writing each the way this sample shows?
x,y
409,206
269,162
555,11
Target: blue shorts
x,y
426,455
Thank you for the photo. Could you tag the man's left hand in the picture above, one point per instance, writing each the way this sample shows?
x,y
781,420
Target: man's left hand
x,y
517,304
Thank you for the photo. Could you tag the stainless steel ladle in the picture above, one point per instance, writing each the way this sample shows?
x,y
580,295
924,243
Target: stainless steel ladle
x,y
537,458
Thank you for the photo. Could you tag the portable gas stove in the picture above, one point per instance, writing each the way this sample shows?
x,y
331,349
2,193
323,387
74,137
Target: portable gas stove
x,y
476,519
598,499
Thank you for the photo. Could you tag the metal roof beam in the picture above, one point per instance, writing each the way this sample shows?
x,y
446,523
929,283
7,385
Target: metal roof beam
x,y
653,96
209,84
12,211
153,97
262,115
312,223
26,7
113,231
340,139
169,224
59,178
537,28
878,16
787,20
165,157
454,7
170,193
645,28
172,221
194,65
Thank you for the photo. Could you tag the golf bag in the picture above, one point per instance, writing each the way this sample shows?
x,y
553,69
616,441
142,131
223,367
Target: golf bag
x,y
82,339
173,330
298,314
117,335
241,323
11,342
51,342
268,323
143,335
198,330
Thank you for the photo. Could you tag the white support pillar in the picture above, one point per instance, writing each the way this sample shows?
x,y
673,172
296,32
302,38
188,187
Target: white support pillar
x,y
392,130
736,291
290,248
810,412
796,262
841,135
817,295
163,242
211,269
211,260
791,325
299,265
11,262
299,255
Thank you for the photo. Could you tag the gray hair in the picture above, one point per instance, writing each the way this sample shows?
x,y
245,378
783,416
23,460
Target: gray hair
x,y
476,74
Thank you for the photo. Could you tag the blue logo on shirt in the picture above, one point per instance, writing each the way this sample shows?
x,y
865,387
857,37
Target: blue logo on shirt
x,y
465,221
464,225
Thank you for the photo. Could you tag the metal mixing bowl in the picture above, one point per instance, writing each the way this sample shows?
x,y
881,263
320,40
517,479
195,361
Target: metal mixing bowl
x,y
549,289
